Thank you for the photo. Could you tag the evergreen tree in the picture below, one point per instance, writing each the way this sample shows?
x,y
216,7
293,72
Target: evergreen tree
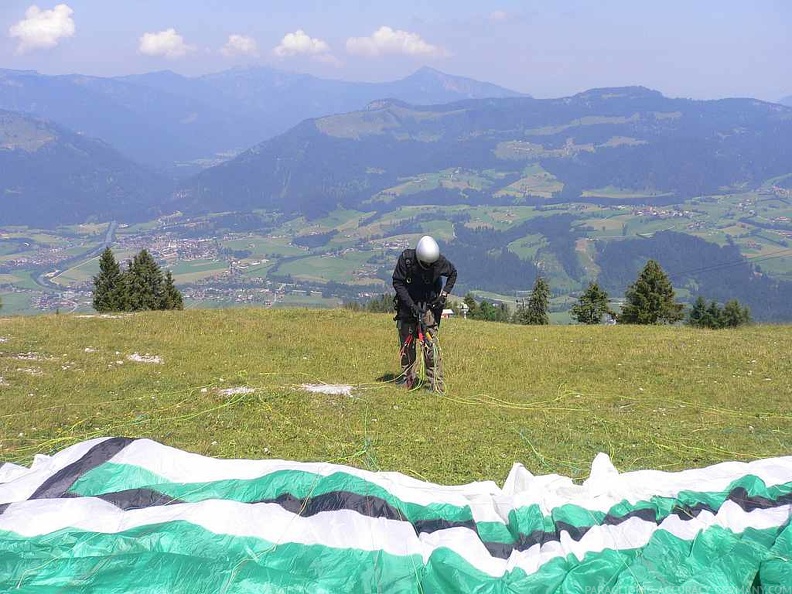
x,y
141,286
734,314
144,283
591,306
108,284
714,316
171,296
698,313
536,310
486,311
651,299
473,308
382,304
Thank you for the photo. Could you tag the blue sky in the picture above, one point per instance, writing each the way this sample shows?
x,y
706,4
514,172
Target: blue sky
x,y
701,49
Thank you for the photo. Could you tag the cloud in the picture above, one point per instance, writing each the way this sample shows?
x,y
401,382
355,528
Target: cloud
x,y
389,41
240,45
43,29
498,15
166,43
301,44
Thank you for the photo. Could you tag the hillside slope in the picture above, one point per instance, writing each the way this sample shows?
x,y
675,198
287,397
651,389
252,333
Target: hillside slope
x,y
628,143
51,176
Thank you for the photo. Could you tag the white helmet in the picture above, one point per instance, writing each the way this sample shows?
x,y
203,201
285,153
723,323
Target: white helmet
x,y
427,251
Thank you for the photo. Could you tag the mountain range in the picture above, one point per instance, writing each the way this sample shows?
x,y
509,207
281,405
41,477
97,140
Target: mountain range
x,y
179,124
614,144
604,144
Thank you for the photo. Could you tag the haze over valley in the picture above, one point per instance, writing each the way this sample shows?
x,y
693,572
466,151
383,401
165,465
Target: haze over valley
x,y
260,185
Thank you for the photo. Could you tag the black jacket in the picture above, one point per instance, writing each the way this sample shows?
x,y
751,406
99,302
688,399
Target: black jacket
x,y
416,284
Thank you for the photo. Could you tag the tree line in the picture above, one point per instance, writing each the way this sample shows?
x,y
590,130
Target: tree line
x,y
142,286
650,299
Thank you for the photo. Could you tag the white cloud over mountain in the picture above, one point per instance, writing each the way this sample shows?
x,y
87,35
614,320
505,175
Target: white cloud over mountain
x,y
300,43
166,43
386,40
43,29
240,45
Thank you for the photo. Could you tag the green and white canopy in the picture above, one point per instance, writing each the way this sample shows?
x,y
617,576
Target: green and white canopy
x,y
122,515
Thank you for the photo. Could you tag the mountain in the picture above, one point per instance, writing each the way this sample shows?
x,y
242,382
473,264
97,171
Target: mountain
x,y
786,101
51,176
278,100
604,144
146,124
167,120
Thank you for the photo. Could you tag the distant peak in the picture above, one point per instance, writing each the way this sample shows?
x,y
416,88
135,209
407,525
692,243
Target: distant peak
x,y
429,70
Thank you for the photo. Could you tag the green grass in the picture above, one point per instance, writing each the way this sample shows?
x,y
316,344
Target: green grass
x,y
83,272
191,271
346,268
452,179
14,304
261,245
622,193
536,181
549,397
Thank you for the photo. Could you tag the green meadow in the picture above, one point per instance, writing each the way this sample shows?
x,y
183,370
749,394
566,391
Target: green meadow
x,y
235,383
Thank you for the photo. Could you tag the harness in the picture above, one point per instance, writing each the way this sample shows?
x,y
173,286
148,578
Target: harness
x,y
408,279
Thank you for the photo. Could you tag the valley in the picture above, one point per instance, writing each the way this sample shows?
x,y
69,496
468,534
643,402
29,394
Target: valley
x,y
260,258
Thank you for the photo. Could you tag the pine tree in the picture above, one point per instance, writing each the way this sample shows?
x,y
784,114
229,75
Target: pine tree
x,y
651,299
591,306
171,296
712,317
486,311
144,283
536,310
734,314
698,313
108,284
473,308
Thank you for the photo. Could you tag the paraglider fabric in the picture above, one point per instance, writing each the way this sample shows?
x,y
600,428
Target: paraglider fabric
x,y
117,515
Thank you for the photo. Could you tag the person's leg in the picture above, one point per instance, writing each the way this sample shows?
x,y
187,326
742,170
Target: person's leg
x,y
432,354
407,339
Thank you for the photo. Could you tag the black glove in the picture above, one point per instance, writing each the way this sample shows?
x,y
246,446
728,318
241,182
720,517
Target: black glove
x,y
417,311
440,302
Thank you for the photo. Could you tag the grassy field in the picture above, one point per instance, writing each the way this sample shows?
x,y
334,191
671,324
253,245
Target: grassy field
x,y
229,383
14,303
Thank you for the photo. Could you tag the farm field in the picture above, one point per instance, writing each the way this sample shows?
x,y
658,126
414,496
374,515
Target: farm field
x,y
354,250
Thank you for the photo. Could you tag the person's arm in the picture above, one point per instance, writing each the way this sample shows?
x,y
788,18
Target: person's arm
x,y
400,283
450,272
